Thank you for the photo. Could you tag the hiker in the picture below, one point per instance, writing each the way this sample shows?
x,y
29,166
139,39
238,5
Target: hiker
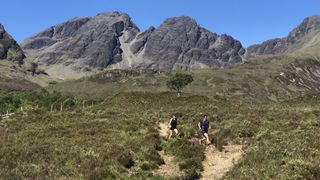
x,y
204,127
173,126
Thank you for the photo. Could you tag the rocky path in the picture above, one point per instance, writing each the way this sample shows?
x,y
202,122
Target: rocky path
x,y
164,130
169,168
217,164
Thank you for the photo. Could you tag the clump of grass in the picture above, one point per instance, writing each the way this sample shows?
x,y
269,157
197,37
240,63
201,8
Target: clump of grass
x,y
126,159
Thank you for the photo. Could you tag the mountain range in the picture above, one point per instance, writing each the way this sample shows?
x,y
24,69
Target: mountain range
x,y
113,41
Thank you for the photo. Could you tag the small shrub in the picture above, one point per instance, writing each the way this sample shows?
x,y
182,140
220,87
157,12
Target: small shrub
x,y
147,166
192,173
126,159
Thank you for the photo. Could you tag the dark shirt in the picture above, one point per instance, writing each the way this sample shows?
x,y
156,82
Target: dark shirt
x,y
174,122
204,124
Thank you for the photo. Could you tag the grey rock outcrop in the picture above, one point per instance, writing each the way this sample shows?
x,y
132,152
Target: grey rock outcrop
x,y
305,35
82,43
9,48
181,44
141,40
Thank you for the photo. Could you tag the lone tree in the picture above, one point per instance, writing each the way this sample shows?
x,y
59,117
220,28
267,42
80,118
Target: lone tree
x,y
33,68
178,81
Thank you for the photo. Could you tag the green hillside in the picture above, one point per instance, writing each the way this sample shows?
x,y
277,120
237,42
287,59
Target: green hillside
x,y
118,138
264,79
13,78
19,77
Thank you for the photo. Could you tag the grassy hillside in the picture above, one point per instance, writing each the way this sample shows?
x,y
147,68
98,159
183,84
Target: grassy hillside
x,y
12,77
284,143
15,77
265,79
110,140
311,52
12,101
118,138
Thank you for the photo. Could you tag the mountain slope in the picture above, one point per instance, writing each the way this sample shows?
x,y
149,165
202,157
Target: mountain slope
x,y
276,78
9,48
95,43
81,43
305,35
13,77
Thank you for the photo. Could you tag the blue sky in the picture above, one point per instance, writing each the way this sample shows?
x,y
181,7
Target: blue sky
x,y
250,21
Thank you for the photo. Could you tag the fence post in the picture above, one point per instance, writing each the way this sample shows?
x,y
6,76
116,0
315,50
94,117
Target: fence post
x,y
51,107
61,107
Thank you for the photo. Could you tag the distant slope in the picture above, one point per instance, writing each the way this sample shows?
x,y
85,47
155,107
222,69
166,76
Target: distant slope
x,y
272,79
309,52
13,77
305,35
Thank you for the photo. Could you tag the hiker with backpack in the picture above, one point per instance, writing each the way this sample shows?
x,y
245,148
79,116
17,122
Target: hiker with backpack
x,y
173,123
204,127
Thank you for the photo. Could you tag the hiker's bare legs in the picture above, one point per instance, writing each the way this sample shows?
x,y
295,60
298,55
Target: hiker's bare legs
x,y
206,137
176,132
170,134
202,140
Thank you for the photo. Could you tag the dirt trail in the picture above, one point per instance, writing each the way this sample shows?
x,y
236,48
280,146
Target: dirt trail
x,y
164,129
169,168
217,164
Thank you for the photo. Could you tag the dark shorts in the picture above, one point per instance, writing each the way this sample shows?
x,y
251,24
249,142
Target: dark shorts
x,y
173,128
205,130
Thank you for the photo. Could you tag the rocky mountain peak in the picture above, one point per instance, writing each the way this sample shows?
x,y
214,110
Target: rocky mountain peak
x,y
182,21
308,25
82,43
179,43
304,35
117,20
